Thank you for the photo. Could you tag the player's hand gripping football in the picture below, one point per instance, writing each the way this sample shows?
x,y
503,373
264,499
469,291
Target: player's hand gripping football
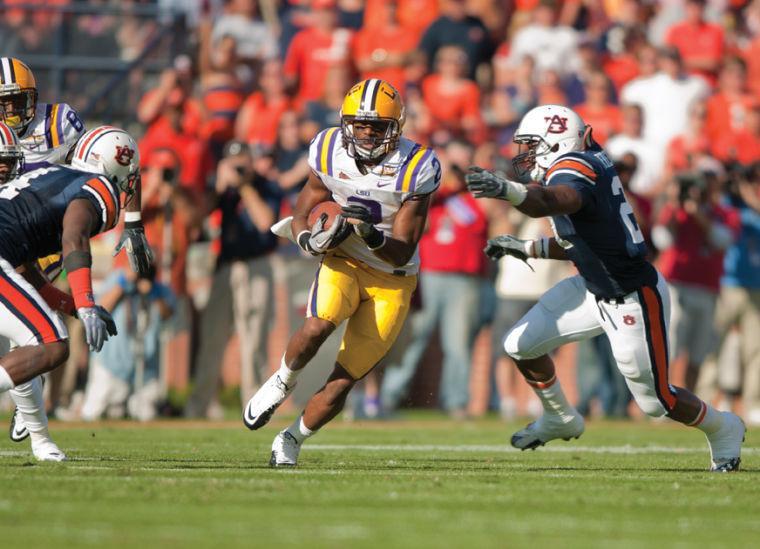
x,y
360,216
484,184
506,244
138,250
98,326
322,240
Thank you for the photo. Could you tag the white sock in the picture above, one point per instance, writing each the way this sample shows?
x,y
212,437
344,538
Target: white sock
x,y
286,375
6,383
708,420
552,397
31,404
299,431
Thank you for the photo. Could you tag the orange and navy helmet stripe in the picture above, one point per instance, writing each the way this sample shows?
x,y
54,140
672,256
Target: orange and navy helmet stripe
x,y
106,198
83,150
325,148
9,138
657,342
409,174
574,166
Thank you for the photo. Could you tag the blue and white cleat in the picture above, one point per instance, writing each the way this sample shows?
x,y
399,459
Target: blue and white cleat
x,y
285,450
546,428
262,405
17,431
726,444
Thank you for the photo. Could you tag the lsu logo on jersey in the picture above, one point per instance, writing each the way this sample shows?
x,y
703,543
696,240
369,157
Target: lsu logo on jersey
x,y
557,124
124,155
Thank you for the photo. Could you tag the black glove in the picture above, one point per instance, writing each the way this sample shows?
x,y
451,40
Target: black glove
x,y
484,184
366,229
506,244
138,251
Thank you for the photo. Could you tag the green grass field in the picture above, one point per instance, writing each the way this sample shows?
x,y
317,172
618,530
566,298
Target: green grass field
x,y
419,483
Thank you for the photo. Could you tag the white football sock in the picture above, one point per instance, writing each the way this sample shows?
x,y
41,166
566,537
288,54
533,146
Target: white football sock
x,y
6,383
286,375
552,397
709,420
299,431
31,404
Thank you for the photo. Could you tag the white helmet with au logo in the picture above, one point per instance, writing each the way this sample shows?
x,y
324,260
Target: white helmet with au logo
x,y
545,133
111,152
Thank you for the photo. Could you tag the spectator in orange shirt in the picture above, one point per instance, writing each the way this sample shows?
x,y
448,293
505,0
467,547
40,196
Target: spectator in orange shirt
x,y
221,92
257,121
314,50
597,111
175,85
168,132
700,43
452,100
413,15
727,109
685,150
383,49
742,145
752,58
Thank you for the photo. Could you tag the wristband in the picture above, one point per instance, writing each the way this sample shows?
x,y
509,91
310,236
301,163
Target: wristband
x,y
375,239
80,281
57,299
131,217
303,241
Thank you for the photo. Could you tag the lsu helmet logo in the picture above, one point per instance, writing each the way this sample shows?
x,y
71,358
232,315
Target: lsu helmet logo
x,y
557,124
124,155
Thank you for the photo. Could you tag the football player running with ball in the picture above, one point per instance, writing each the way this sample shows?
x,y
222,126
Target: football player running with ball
x,y
617,291
383,182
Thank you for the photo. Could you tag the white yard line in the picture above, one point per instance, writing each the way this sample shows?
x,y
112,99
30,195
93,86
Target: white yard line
x,y
558,448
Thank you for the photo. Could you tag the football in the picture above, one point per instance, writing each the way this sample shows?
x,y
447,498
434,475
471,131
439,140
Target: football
x,y
330,208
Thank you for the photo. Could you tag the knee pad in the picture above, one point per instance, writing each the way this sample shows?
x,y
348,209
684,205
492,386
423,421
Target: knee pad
x,y
517,345
650,405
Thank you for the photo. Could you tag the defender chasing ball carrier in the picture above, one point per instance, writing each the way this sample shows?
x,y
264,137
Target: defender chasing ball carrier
x,y
617,291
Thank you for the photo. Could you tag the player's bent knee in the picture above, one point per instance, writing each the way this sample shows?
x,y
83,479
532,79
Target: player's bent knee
x,y
517,349
316,330
650,405
56,353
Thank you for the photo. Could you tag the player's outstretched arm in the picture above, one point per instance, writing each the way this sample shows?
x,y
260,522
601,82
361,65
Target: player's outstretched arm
x,y
408,226
533,200
133,238
80,222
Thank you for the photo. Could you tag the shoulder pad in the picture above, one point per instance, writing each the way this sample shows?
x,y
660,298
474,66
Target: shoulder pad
x,y
65,125
420,173
321,150
575,164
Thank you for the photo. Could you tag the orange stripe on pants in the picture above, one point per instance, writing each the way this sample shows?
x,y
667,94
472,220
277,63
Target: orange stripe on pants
x,y
657,337
28,309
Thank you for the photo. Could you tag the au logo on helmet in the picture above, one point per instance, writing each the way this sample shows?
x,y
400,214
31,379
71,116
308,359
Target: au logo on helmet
x,y
557,124
124,155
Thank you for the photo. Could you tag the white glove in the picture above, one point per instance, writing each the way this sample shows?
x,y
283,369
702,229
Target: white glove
x,y
98,325
484,184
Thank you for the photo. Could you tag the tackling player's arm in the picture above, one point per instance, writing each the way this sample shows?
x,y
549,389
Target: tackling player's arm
x,y
80,222
58,300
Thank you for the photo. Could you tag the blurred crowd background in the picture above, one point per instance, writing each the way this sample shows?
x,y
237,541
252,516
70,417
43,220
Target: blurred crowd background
x,y
225,96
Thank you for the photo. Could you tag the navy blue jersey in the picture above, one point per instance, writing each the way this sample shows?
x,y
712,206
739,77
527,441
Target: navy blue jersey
x,y
602,239
32,207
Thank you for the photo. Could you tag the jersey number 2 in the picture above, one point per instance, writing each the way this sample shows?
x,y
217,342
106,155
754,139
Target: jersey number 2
x,y
626,213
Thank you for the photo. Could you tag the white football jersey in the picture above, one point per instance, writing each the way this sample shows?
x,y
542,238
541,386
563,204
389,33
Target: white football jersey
x,y
410,170
51,134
